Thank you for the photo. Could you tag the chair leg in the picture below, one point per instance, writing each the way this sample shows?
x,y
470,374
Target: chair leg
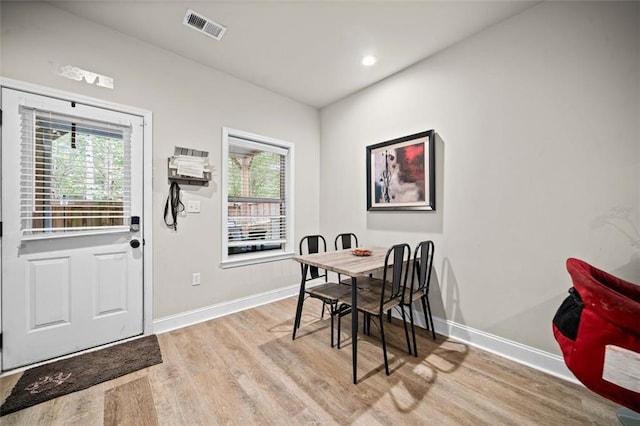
x,y
427,315
406,332
384,346
339,325
364,323
333,312
433,328
413,331
324,304
389,315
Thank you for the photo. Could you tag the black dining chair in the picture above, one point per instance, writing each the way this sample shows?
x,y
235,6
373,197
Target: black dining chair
x,y
328,292
343,242
346,241
385,295
419,287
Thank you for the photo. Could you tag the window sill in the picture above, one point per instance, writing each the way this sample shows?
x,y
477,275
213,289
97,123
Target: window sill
x,y
253,258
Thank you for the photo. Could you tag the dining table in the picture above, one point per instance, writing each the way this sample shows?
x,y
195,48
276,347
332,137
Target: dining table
x,y
344,262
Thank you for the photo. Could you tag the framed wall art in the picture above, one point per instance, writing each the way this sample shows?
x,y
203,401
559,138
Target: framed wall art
x,y
401,173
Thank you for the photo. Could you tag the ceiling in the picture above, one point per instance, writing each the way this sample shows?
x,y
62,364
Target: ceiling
x,y
309,51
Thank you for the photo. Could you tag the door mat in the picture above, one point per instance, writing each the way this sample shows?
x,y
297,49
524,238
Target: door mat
x,y
40,384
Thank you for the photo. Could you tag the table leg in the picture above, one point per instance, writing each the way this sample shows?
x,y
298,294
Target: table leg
x,y
296,321
354,329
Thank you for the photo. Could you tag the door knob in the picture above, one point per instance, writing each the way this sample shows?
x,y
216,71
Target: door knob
x,y
134,243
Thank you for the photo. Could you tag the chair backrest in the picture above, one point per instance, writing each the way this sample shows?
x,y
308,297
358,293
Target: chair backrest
x,y
346,241
422,265
313,244
396,271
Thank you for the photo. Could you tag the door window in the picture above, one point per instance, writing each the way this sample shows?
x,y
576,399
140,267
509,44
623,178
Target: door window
x,y
75,174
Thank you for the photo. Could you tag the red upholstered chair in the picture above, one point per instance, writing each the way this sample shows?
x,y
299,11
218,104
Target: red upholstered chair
x,y
598,330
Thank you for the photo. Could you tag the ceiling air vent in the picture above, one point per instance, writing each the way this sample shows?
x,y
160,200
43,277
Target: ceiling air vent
x,y
204,25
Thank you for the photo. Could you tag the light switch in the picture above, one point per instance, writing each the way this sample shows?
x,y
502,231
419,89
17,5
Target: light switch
x,y
193,206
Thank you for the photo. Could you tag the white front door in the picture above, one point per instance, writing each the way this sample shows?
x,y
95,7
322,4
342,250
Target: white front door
x,y
71,189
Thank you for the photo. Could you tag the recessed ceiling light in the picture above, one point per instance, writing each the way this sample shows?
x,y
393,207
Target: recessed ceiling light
x,y
367,61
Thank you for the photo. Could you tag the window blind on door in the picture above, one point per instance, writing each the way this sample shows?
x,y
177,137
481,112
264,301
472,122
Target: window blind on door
x,y
257,199
74,174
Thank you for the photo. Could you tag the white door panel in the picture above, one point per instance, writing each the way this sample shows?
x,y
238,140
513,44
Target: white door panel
x,y
110,285
66,291
47,301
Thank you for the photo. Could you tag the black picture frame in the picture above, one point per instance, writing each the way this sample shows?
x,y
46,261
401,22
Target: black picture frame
x,y
401,173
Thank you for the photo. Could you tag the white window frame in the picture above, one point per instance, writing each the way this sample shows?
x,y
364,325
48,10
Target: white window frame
x,y
242,259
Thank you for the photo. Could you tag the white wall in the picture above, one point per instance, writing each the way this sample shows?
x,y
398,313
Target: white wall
x,y
539,144
190,105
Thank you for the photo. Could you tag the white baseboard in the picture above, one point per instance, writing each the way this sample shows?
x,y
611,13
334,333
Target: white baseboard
x,y
184,319
523,354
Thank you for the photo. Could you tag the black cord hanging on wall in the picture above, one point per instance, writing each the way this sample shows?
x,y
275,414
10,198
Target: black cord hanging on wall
x,y
176,205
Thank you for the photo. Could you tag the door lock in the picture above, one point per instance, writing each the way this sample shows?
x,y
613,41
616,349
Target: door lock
x,y
134,243
135,224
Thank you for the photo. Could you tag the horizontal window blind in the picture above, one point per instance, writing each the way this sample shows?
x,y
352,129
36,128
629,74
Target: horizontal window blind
x,y
74,174
256,187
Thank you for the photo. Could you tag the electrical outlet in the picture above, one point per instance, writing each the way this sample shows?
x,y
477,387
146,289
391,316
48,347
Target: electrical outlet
x,y
195,278
193,206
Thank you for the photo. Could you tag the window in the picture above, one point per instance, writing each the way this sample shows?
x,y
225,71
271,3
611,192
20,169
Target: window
x,y
74,175
257,216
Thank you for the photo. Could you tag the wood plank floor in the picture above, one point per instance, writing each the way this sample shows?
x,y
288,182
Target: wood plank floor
x,y
245,369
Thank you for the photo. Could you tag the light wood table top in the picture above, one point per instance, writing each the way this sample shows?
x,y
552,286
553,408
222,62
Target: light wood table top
x,y
344,262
